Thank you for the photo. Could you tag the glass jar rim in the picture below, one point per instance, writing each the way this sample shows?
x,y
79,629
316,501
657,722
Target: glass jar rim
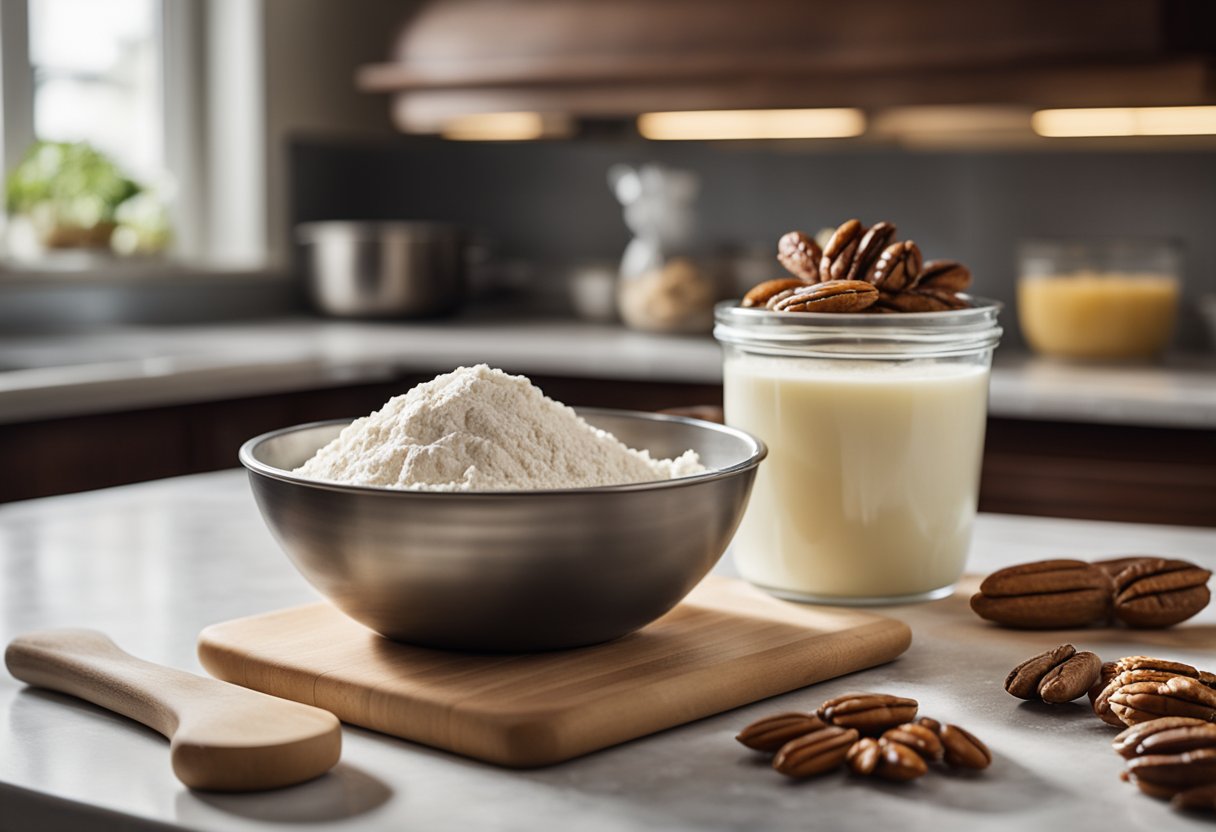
x,y
901,335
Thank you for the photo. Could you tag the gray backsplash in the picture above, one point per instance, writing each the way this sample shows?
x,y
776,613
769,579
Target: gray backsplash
x,y
549,202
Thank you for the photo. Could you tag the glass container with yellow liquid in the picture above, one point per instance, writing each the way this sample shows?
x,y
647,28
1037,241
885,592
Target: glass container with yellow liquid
x,y
1101,301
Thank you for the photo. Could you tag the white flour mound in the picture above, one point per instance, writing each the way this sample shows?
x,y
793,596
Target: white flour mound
x,y
480,429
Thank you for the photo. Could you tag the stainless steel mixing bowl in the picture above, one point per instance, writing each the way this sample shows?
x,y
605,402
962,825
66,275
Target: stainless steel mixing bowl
x,y
384,269
510,570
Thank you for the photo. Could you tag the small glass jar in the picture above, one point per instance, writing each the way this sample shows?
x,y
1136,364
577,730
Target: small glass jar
x,y
1098,299
670,295
875,428
662,288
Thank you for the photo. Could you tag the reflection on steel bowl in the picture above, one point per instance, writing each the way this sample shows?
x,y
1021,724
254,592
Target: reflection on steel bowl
x,y
384,269
510,570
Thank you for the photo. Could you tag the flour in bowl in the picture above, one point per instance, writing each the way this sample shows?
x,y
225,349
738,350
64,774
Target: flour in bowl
x,y
480,429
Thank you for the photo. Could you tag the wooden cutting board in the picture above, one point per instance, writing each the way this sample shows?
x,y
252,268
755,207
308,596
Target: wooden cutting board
x,y
726,645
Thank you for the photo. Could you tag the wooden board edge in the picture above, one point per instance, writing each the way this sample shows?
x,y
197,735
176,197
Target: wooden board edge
x,y
217,657
524,741
221,657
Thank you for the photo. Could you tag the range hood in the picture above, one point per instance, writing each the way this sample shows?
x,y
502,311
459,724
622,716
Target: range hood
x,y
618,58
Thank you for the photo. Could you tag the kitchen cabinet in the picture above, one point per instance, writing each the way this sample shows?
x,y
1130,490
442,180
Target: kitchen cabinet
x,y
628,56
1103,472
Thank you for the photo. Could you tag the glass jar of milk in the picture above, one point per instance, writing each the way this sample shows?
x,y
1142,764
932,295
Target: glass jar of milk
x,y
875,428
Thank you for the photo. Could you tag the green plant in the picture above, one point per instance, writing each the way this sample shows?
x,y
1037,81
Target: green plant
x,y
67,184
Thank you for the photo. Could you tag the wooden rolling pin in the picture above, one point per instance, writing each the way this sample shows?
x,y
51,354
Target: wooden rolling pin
x,y
222,737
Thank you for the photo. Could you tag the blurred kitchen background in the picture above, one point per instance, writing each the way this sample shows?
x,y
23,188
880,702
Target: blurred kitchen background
x,y
203,237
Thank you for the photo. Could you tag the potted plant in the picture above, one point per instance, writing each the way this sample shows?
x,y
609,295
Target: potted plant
x,y
70,192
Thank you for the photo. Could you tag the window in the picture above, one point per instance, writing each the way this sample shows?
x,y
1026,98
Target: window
x,y
172,92
96,79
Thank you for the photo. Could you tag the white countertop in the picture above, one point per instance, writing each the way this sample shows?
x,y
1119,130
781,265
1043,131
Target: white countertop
x,y
152,564
134,367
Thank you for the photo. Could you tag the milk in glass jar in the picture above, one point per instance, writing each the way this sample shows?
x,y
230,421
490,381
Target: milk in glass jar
x,y
875,428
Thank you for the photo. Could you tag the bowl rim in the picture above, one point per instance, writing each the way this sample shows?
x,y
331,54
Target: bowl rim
x,y
758,452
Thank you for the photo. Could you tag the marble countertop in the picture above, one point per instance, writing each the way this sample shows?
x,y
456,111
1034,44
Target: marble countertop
x,y
127,368
152,564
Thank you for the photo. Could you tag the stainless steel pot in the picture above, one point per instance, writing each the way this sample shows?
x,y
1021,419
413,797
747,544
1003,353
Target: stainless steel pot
x,y
383,269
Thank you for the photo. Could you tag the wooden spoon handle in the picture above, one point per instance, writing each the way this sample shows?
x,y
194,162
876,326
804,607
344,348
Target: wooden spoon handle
x,y
88,665
222,736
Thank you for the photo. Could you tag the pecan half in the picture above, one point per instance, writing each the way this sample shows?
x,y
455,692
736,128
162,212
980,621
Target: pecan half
x,y
1023,681
897,268
1149,788
1071,679
772,302
816,752
1178,696
923,300
863,756
800,255
870,713
949,275
898,762
1050,594
829,296
1172,773
920,739
772,732
963,749
1108,672
1057,676
873,243
1178,739
1198,799
1160,593
761,293
1153,663
1130,742
930,723
1043,576
840,251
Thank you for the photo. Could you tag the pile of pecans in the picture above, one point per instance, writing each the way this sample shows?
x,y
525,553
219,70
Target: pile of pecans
x,y
1137,689
1166,708
860,269
873,733
1139,591
1172,758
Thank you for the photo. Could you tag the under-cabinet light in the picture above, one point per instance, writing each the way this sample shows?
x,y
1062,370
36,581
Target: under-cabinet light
x,y
1125,121
716,125
506,127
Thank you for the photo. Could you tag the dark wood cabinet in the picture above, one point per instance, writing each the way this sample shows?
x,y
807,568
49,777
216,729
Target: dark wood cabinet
x,y
1056,469
616,58
1101,472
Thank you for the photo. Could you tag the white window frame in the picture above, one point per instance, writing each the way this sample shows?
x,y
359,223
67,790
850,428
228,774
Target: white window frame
x,y
213,111
16,81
